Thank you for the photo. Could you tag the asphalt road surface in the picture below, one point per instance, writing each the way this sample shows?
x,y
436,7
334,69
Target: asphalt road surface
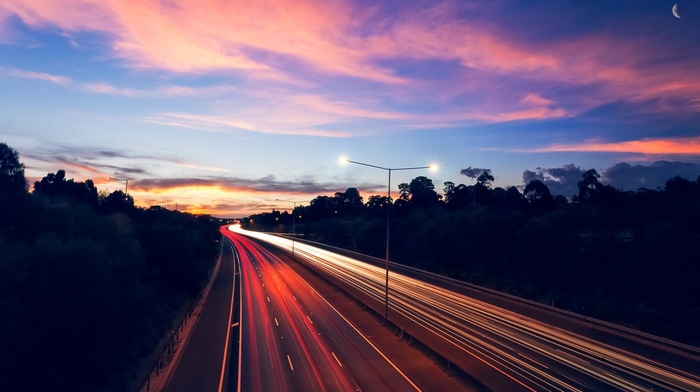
x,y
265,328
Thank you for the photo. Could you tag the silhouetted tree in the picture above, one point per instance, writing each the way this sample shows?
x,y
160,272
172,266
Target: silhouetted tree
x,y
589,187
422,192
485,178
510,198
457,197
404,191
539,196
55,187
117,201
12,178
482,193
110,284
349,203
377,205
321,207
679,185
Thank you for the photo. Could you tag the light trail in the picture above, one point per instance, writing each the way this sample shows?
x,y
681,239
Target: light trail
x,y
536,355
293,339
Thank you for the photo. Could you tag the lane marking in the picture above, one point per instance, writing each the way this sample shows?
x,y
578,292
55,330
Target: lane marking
x,y
276,323
307,317
290,362
234,325
230,318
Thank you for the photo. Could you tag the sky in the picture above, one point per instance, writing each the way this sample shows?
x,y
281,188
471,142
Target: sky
x,y
224,107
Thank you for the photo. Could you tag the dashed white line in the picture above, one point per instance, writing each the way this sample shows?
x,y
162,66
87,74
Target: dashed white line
x,y
290,362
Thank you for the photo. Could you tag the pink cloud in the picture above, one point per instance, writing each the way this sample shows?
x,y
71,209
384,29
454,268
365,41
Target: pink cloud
x,y
215,34
672,146
305,42
537,113
535,100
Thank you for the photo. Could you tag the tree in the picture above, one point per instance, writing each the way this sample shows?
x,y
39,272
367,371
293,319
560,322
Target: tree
x,y
589,187
117,201
404,191
457,197
56,187
377,205
12,178
321,207
539,196
349,202
510,198
448,191
485,178
679,185
422,192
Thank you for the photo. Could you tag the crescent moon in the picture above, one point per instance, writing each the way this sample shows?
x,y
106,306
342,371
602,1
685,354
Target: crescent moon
x,y
675,11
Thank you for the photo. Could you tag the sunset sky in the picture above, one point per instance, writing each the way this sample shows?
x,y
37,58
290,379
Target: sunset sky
x,y
224,106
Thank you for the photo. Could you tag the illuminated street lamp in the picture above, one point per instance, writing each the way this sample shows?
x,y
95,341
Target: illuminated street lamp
x,y
388,218
294,219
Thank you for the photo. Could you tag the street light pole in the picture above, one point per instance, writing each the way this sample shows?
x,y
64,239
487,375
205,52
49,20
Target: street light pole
x,y
294,220
388,222
126,186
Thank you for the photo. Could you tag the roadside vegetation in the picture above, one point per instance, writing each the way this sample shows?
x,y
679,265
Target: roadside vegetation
x,y
89,283
626,257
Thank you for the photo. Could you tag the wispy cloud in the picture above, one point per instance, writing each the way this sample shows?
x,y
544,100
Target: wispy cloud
x,y
267,184
331,43
18,73
671,146
211,123
163,91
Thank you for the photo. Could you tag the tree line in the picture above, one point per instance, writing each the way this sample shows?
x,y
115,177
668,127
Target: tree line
x,y
89,283
629,257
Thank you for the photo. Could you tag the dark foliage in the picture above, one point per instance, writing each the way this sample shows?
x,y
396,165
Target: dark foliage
x,y
11,171
625,257
88,289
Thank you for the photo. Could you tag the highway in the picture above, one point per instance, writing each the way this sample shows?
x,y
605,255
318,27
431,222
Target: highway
x,y
507,350
293,339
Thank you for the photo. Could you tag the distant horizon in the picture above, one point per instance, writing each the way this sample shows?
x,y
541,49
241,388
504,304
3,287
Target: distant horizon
x,y
560,181
223,107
